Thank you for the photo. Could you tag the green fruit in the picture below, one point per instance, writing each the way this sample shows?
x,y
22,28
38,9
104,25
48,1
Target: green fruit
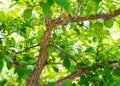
x,y
108,23
27,13
112,7
98,26
50,49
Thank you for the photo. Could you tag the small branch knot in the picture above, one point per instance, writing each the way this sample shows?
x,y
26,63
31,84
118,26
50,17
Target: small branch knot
x,y
48,21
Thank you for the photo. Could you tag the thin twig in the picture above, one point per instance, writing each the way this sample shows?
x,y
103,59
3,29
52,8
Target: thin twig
x,y
64,53
27,48
54,63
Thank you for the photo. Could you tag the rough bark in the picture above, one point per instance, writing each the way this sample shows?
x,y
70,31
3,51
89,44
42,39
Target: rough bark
x,y
69,77
59,21
33,78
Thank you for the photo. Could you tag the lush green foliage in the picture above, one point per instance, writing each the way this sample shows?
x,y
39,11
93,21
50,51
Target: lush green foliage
x,y
90,43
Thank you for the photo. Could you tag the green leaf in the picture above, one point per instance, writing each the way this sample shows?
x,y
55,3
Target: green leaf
x,y
66,62
49,3
1,62
3,82
27,13
90,50
27,72
67,83
20,72
84,81
117,82
12,42
46,7
9,61
33,62
96,78
97,2
50,49
77,31
116,72
72,68
28,30
27,57
94,39
51,84
63,3
55,69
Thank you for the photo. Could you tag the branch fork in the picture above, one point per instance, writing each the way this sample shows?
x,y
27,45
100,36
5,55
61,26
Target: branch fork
x,y
49,23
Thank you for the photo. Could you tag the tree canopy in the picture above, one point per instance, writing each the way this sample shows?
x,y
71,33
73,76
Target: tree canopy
x,y
59,43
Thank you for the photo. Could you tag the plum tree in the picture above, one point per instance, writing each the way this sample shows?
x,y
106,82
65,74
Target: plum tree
x,y
40,46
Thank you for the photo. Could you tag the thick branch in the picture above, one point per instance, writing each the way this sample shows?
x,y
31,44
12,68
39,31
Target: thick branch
x,y
69,77
82,71
33,78
60,21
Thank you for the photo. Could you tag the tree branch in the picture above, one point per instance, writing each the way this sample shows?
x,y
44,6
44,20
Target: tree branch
x,y
33,78
27,48
82,71
69,77
60,21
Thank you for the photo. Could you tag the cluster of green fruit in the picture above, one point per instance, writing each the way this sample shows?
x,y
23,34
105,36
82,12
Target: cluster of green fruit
x,y
107,22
